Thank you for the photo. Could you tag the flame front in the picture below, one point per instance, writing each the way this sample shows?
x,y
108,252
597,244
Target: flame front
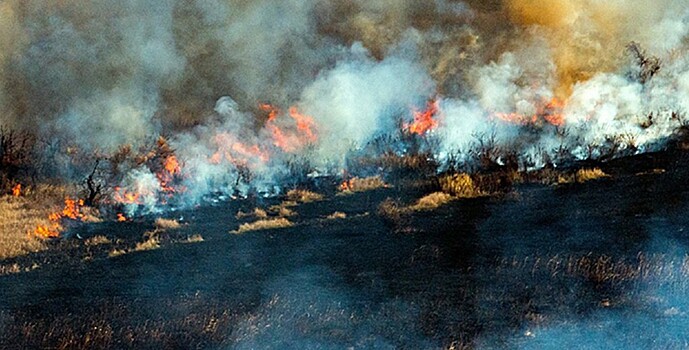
x,y
550,111
424,120
17,190
71,210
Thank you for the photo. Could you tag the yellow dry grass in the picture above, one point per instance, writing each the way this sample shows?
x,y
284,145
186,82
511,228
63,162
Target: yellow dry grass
x,y
97,240
149,244
166,224
257,213
19,217
303,196
432,201
337,215
359,184
195,238
266,224
459,185
584,175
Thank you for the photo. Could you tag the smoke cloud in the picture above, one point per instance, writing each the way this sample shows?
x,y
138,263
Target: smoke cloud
x,y
220,78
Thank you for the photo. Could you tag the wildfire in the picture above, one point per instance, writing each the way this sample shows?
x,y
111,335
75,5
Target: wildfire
x,y
167,175
423,120
17,190
121,217
549,111
290,140
72,210
123,196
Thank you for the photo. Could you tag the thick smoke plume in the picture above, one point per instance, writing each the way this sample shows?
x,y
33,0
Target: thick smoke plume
x,y
243,89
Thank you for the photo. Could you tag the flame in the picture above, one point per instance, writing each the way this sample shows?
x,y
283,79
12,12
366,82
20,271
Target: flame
x,y
290,140
123,196
346,186
423,121
72,210
167,175
17,190
121,217
549,111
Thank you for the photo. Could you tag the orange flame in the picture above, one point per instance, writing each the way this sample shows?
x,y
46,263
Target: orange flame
x,y
72,210
121,217
423,121
290,140
17,190
548,111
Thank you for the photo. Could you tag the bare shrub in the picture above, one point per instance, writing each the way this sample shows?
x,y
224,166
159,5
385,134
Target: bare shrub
x,y
584,175
303,196
267,224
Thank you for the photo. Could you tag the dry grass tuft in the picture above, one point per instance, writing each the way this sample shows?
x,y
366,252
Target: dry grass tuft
x,y
19,217
117,252
267,224
459,185
432,201
303,196
337,215
358,184
97,240
195,238
257,213
584,175
149,244
166,224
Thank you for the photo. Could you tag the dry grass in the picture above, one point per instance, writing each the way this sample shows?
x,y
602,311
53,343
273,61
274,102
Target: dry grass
x,y
19,217
303,196
337,215
97,240
149,244
358,184
459,185
195,238
117,252
432,201
584,175
166,224
267,224
256,213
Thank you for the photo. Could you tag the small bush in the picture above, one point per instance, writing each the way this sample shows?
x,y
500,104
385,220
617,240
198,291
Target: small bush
x,y
584,175
267,224
303,196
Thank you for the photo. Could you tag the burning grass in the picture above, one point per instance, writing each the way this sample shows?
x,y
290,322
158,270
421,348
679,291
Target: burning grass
x,y
267,224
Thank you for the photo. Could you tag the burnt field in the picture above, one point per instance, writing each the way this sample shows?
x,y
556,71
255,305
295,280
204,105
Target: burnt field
x,y
595,264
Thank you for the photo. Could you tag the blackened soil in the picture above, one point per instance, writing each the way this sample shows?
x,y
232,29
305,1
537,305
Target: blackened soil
x,y
577,265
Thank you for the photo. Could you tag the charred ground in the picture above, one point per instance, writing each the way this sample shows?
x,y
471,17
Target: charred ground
x,y
574,265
